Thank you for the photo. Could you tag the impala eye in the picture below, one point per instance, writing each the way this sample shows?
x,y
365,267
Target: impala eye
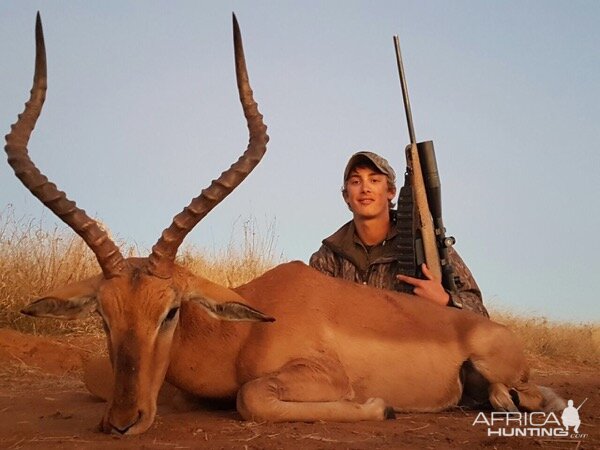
x,y
171,314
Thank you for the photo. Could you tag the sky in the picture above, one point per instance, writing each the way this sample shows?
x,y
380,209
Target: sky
x,y
142,113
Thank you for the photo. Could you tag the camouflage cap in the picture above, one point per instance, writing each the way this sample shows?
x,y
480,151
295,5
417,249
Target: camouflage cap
x,y
378,161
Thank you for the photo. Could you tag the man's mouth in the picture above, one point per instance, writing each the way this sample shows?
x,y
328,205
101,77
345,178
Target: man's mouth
x,y
365,201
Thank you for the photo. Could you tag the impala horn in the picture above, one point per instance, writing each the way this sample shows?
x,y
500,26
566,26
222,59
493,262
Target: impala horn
x,y
160,262
109,257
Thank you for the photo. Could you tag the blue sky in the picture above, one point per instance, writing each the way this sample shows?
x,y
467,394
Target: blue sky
x,y
142,112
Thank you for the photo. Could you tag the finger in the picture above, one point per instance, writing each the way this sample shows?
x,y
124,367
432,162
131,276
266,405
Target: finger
x,y
426,271
410,280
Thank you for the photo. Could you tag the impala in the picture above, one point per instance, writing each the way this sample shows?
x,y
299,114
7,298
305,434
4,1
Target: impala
x,y
338,351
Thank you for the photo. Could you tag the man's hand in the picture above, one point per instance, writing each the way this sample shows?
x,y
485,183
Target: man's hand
x,y
429,289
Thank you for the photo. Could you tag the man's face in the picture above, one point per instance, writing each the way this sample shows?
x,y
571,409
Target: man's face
x,y
367,193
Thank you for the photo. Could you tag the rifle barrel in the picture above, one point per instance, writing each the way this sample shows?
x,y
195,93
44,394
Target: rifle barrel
x,y
409,121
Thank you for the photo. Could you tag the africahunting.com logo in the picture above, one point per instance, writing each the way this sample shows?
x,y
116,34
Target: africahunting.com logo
x,y
533,424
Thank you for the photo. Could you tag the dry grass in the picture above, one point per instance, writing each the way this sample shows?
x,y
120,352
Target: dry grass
x,y
555,341
244,258
34,260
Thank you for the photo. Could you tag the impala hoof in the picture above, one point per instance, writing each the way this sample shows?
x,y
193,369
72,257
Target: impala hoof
x,y
376,409
389,413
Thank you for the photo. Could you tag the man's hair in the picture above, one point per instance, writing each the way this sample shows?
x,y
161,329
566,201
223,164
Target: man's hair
x,y
367,164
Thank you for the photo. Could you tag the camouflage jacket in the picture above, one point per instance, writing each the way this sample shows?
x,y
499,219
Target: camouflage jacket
x,y
343,255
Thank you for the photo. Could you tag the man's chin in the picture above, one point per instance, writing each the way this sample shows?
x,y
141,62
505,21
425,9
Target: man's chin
x,y
366,214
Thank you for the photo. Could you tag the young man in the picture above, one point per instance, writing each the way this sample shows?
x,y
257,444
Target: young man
x,y
366,250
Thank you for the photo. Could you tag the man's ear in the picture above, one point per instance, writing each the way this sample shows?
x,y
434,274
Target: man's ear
x,y
229,311
391,193
345,196
74,301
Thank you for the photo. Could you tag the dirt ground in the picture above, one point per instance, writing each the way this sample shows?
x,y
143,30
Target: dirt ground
x,y
44,404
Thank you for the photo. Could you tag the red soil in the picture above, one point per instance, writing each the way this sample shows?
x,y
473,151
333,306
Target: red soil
x,y
44,404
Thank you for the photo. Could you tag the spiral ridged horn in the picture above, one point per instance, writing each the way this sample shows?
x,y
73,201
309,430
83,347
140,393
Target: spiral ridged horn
x,y
163,255
109,257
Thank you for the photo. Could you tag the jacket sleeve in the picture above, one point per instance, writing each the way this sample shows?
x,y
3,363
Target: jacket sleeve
x,y
324,261
468,295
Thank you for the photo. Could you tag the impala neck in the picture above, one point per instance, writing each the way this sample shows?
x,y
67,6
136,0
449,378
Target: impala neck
x,y
204,352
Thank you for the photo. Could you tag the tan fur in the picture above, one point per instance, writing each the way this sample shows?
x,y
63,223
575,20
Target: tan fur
x,y
337,351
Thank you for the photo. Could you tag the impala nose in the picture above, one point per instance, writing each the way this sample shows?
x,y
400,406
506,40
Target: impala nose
x,y
122,425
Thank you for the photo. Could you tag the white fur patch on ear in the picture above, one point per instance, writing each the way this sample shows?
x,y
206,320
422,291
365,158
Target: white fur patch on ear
x,y
60,308
231,311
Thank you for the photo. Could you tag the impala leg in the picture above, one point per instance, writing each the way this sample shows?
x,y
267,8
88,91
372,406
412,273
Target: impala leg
x,y
501,399
500,359
306,391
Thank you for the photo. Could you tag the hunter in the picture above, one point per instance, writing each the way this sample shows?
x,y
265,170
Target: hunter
x,y
365,250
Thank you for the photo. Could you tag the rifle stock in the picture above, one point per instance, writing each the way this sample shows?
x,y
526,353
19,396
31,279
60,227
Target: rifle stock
x,y
423,215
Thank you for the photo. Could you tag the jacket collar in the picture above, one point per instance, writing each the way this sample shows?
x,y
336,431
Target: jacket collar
x,y
346,243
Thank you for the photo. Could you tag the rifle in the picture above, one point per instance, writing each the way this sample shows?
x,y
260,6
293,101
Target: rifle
x,y
422,183
581,404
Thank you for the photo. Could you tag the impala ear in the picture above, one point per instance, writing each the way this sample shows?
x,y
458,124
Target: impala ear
x,y
61,308
230,311
74,301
